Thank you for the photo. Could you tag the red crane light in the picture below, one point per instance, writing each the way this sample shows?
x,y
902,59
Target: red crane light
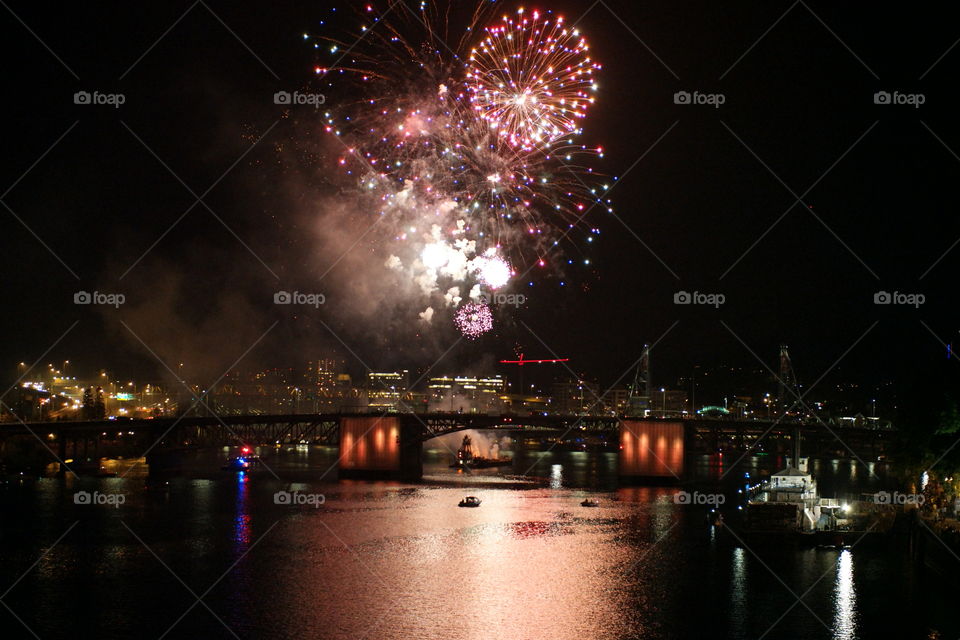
x,y
522,361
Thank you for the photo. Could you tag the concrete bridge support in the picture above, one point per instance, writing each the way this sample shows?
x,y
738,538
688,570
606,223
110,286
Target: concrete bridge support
x,y
380,447
652,450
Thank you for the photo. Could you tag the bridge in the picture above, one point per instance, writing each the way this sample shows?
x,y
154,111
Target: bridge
x,y
390,445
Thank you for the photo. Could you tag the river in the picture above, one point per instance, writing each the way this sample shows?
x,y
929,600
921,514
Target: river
x,y
212,555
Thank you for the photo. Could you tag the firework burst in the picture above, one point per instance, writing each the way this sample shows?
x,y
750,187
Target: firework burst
x,y
493,271
532,80
473,320
464,144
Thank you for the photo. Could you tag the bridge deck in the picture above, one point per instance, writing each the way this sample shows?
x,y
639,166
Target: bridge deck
x,y
432,424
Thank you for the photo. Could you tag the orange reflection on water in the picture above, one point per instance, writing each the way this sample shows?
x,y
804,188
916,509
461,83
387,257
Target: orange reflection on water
x,y
370,443
525,565
651,448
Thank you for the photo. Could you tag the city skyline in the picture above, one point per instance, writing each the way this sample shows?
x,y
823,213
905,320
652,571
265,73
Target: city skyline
x,y
213,283
743,390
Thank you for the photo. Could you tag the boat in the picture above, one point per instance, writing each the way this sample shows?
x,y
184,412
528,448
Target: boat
x,y
467,457
590,502
241,463
787,503
470,501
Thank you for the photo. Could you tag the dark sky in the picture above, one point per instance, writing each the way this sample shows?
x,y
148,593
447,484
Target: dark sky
x,y
702,204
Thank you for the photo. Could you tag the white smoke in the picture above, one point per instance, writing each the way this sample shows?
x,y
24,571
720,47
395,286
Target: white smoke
x,y
486,444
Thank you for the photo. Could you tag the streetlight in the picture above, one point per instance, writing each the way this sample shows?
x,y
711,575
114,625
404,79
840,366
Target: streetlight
x,y
663,404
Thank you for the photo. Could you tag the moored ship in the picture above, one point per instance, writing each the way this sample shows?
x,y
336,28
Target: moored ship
x,y
789,504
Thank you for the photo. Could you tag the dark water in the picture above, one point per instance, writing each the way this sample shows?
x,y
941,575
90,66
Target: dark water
x,y
386,560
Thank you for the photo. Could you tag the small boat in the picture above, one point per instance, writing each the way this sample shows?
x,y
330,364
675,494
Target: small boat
x,y
470,501
590,502
241,463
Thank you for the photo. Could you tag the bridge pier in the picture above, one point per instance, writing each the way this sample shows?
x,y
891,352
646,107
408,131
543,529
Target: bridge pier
x,y
652,450
380,447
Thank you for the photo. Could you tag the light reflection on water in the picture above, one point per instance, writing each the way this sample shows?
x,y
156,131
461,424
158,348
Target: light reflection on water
x,y
385,560
739,601
556,476
844,620
242,517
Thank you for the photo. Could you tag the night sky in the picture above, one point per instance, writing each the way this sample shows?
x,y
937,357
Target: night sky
x,y
797,199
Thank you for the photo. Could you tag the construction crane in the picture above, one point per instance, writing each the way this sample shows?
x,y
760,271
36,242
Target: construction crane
x,y
787,380
520,361
638,400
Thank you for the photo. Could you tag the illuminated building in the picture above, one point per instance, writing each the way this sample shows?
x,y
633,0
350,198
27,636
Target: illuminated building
x,y
668,402
384,389
616,401
525,405
576,397
465,394
322,373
